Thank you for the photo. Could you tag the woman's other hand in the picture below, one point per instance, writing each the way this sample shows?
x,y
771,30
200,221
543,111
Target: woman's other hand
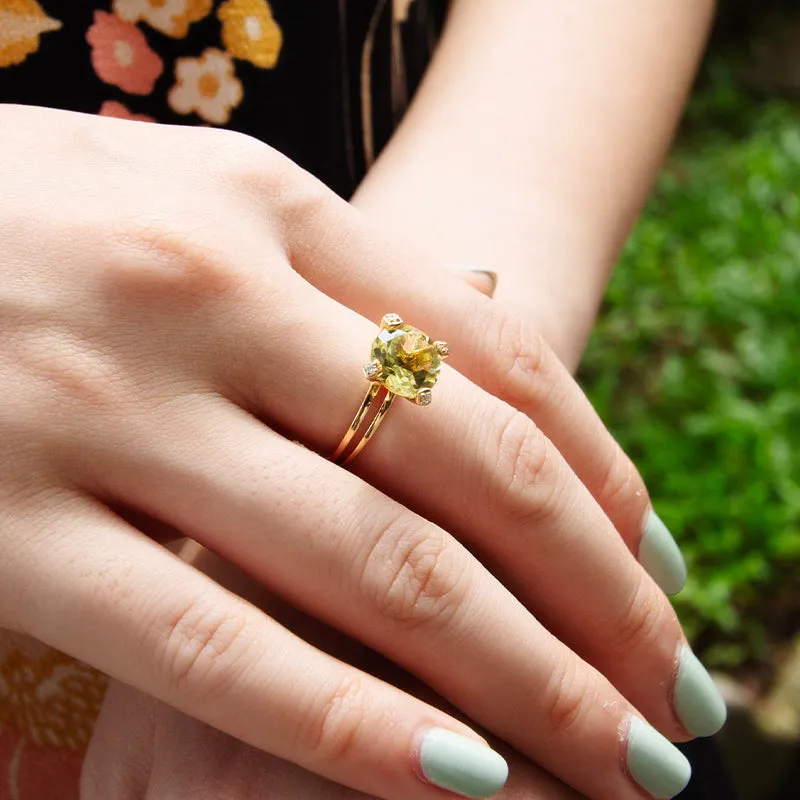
x,y
144,748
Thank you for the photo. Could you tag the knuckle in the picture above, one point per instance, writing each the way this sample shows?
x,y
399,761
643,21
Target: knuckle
x,y
567,694
306,204
169,259
250,167
621,485
202,649
330,728
526,471
244,161
640,626
62,366
520,361
98,140
410,574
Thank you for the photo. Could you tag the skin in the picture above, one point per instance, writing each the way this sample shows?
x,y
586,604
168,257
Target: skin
x,y
153,362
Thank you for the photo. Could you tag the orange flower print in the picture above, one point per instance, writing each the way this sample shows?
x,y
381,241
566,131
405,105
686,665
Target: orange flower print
x,y
21,24
207,86
31,772
121,55
48,705
111,108
51,699
170,17
250,33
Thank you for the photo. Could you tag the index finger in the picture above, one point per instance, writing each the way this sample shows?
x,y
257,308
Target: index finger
x,y
351,261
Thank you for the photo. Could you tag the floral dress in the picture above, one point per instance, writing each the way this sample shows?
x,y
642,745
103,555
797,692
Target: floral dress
x,y
324,81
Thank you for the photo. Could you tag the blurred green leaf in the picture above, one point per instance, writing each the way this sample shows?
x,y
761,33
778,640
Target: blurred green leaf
x,y
695,362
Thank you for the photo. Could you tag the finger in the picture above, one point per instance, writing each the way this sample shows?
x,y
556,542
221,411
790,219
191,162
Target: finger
x,y
133,610
351,261
515,501
339,549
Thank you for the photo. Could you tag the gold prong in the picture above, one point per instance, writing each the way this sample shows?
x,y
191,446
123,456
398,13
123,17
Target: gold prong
x,y
391,321
423,397
372,370
442,349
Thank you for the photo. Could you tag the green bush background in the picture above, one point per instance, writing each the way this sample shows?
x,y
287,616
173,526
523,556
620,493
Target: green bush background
x,y
695,363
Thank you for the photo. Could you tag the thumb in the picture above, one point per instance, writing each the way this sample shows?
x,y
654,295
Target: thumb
x,y
484,280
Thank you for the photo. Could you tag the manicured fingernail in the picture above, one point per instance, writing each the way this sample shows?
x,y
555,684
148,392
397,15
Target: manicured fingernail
x,y
660,555
698,703
485,280
654,762
461,765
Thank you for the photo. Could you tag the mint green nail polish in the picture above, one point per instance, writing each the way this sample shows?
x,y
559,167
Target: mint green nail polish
x,y
698,703
655,763
660,555
461,765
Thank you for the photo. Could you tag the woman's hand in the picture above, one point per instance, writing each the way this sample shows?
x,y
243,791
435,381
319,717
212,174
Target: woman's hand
x,y
174,298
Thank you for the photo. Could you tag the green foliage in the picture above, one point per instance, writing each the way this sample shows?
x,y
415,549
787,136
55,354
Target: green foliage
x,y
695,364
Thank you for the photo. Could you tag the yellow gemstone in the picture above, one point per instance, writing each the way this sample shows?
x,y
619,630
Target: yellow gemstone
x,y
409,361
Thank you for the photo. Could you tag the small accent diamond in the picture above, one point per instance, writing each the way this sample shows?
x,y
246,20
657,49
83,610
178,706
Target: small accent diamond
x,y
391,320
372,370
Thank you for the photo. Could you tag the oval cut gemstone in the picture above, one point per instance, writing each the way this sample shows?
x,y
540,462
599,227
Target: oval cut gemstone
x,y
409,361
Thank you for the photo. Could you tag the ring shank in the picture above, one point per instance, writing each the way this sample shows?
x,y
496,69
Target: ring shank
x,y
372,394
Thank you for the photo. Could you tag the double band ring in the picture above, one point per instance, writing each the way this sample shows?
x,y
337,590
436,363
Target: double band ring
x,y
404,362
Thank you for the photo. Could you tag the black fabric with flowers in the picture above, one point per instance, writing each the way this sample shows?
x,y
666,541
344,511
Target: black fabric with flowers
x,y
325,81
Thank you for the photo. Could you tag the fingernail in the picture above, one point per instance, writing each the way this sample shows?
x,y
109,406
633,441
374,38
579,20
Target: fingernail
x,y
461,765
698,703
655,763
484,280
660,555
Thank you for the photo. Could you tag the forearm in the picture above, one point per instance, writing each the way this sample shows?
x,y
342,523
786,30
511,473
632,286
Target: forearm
x,y
533,141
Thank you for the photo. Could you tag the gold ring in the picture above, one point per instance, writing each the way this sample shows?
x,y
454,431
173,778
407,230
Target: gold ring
x,y
405,362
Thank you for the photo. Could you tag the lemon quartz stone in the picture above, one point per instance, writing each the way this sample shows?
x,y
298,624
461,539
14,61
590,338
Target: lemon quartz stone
x,y
409,361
